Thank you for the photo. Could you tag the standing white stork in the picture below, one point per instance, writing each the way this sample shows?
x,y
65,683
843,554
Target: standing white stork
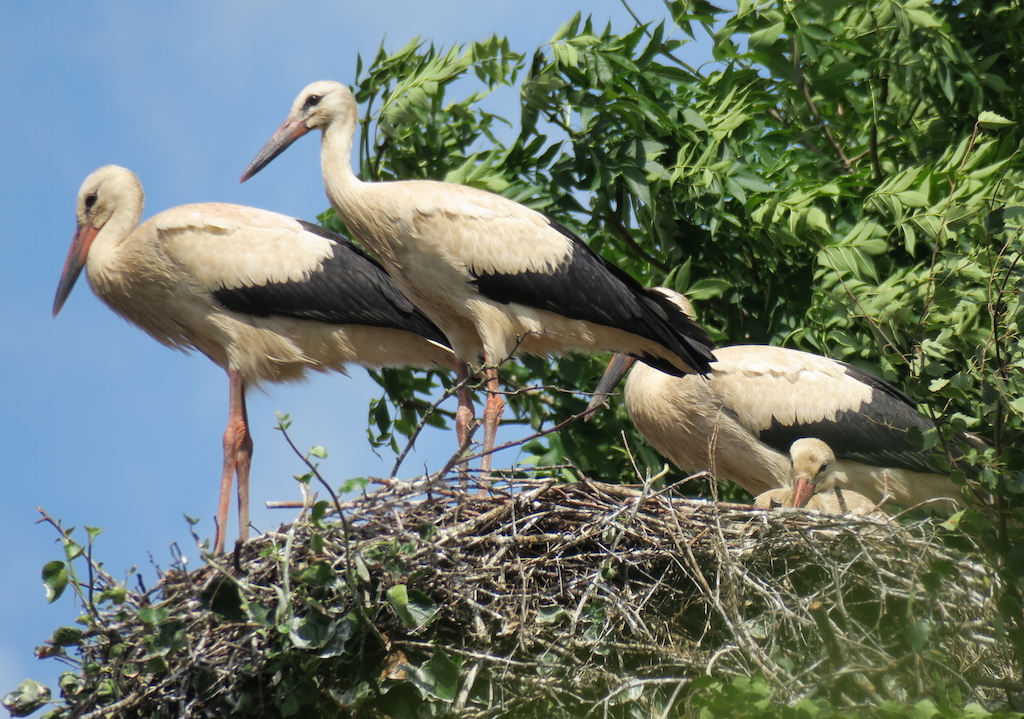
x,y
264,296
813,485
739,422
494,275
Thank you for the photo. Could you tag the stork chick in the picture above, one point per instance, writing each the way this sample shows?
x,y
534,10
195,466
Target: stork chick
x,y
814,485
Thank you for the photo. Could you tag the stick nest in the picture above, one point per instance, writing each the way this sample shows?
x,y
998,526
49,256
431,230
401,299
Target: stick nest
x,y
544,599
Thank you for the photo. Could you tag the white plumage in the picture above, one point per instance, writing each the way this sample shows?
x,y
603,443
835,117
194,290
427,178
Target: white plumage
x,y
739,422
494,275
264,296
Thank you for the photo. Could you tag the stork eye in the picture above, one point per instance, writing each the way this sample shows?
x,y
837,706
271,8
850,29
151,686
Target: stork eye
x,y
90,200
313,100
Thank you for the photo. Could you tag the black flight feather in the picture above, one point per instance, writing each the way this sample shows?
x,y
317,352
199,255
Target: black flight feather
x,y
349,288
585,286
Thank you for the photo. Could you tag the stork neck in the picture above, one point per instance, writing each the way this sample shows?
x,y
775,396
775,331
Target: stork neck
x,y
336,163
124,218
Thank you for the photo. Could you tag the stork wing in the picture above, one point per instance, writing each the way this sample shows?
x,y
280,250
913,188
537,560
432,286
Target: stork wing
x,y
782,395
263,264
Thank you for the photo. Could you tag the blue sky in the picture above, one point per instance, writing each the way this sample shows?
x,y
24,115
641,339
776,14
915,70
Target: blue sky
x,y
103,426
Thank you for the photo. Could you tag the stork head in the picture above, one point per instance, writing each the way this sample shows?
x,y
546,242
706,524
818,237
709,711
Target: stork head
x,y
109,193
317,107
813,463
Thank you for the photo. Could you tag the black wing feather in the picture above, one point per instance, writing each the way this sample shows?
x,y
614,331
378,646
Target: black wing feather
x,y
587,287
349,288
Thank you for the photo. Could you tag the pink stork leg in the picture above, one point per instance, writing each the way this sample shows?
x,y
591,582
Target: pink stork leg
x,y
465,414
493,410
237,460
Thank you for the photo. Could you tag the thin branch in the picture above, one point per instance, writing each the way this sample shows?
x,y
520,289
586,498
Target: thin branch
x,y
801,84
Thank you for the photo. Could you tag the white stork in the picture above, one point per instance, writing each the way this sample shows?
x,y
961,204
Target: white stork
x,y
813,485
494,275
264,296
739,422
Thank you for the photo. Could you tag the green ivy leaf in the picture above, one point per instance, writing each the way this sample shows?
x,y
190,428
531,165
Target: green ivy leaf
x,y
27,698
55,579
413,607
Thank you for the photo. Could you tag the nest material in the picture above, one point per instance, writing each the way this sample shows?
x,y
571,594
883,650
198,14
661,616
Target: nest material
x,y
549,600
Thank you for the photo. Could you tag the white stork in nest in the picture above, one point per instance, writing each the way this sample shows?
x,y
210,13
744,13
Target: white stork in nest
x,y
494,275
738,422
264,296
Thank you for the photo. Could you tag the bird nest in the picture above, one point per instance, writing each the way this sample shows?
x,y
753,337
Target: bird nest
x,y
545,599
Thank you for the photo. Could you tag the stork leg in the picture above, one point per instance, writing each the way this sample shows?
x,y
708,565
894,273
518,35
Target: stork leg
x,y
493,410
465,414
237,460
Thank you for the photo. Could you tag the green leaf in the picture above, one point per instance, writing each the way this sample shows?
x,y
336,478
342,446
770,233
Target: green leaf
x,y
260,614
319,574
154,616
767,36
550,615
73,550
55,579
707,288
319,451
362,571
221,597
693,119
917,633
440,676
355,484
115,594
413,607
993,121
312,631
922,18
27,698
66,636
339,634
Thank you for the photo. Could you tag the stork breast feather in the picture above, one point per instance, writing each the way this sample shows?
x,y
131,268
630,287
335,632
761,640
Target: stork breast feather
x,y
227,247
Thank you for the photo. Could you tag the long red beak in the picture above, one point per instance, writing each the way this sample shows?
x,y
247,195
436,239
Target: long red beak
x,y
73,265
803,490
617,369
288,133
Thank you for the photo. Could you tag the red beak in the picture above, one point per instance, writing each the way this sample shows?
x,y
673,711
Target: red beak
x,y
803,490
288,133
73,265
